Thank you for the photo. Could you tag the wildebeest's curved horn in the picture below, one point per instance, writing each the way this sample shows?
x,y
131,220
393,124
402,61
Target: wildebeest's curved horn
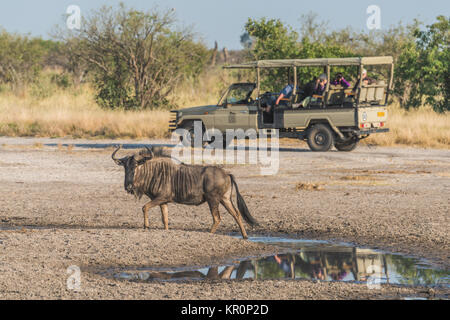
x,y
118,161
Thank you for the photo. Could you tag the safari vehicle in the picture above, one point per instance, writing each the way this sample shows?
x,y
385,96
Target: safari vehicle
x,y
340,117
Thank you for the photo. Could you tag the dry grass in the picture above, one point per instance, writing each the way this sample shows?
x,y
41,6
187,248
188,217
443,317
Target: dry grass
x,y
76,114
66,114
420,128
308,186
359,178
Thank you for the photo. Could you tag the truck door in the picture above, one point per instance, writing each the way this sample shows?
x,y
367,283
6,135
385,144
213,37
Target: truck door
x,y
232,117
233,111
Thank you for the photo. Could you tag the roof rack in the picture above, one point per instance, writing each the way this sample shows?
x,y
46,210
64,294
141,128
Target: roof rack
x,y
353,61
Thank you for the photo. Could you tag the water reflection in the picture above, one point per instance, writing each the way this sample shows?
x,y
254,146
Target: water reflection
x,y
314,261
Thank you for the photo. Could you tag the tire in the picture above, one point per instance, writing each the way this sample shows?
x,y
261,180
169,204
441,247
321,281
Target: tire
x,y
224,144
188,138
347,146
320,138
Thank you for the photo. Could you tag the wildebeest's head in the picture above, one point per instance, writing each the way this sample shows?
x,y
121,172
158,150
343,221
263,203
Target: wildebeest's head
x,y
130,163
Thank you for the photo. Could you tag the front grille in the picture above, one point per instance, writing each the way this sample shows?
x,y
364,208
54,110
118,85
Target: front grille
x,y
173,120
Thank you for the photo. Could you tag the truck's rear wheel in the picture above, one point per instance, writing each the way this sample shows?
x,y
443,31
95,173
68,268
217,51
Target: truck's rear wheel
x,y
346,146
320,137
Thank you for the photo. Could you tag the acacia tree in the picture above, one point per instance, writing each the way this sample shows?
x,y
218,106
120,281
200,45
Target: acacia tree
x,y
136,58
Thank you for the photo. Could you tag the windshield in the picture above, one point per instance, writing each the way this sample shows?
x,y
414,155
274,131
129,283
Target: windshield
x,y
238,94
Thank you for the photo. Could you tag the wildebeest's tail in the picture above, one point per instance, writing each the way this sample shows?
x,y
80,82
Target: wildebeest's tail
x,y
245,213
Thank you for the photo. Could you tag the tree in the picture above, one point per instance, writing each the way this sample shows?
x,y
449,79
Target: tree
x,y
274,40
271,40
136,58
422,72
20,59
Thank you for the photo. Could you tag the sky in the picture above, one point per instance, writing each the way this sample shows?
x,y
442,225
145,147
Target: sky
x,y
223,21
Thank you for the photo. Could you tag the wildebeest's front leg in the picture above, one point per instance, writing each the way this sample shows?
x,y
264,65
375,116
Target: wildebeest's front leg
x,y
148,206
165,215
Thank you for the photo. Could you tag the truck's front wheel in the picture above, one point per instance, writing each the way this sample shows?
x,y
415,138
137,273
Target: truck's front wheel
x,y
188,137
320,138
223,145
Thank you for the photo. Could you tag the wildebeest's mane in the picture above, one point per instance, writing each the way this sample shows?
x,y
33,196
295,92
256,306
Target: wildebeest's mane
x,y
161,172
158,152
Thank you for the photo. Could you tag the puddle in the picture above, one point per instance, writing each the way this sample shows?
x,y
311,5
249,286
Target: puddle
x,y
21,228
307,259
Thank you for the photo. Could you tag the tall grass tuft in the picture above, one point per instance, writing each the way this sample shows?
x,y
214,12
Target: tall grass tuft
x,y
421,128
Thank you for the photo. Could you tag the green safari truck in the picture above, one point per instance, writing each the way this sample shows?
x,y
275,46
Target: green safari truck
x,y
340,117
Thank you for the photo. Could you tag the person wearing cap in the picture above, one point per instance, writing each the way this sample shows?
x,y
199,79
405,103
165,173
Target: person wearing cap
x,y
315,87
365,80
321,84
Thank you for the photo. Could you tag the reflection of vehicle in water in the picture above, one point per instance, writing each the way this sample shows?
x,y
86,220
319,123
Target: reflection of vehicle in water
x,y
325,263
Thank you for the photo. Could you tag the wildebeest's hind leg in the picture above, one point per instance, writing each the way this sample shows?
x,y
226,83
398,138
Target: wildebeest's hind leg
x,y
226,202
148,206
214,207
165,215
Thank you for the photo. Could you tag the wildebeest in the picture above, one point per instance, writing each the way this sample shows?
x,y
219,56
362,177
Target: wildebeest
x,y
154,174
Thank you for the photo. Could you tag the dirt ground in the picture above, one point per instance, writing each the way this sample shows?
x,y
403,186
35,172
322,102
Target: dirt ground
x,y
394,199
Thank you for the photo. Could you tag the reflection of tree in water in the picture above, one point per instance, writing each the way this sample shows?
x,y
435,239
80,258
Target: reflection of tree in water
x,y
412,274
268,268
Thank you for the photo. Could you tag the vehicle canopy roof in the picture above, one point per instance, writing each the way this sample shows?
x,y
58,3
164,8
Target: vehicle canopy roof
x,y
353,61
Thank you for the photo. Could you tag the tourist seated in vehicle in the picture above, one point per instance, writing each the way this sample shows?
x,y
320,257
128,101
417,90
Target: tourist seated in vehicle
x,y
284,97
339,80
365,80
314,90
